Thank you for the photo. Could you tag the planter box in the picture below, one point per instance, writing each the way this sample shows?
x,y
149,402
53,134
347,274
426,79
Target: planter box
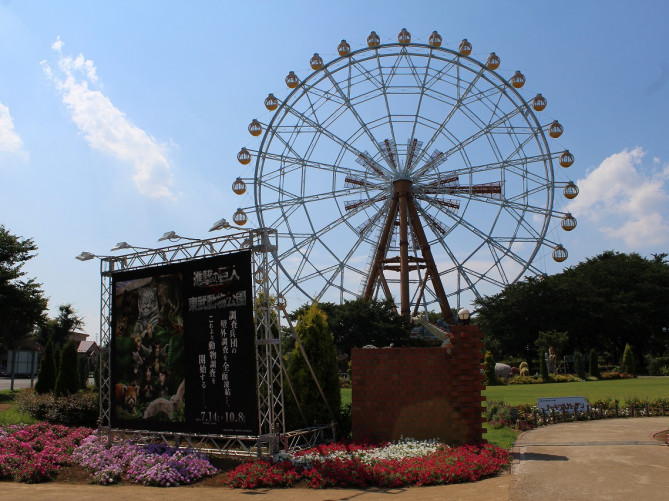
x,y
420,393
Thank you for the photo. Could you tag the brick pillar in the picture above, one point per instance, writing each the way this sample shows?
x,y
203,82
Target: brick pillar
x,y
420,392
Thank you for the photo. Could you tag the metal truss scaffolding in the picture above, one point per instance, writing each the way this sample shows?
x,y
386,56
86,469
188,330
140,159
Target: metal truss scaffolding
x,y
272,435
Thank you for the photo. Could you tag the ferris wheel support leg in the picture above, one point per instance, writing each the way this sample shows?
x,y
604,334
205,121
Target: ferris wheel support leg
x,y
404,187
431,267
381,250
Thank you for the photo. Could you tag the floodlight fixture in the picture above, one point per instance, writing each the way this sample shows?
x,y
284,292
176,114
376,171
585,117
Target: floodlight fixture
x,y
169,235
172,236
223,224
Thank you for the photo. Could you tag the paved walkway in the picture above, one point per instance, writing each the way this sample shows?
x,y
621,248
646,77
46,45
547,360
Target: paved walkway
x,y
615,459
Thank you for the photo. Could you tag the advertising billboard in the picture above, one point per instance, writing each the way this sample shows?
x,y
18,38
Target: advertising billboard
x,y
183,347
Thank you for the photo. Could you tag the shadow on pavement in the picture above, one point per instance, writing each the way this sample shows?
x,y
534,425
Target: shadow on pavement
x,y
536,456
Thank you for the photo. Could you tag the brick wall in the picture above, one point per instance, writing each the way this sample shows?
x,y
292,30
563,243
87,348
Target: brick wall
x,y
420,392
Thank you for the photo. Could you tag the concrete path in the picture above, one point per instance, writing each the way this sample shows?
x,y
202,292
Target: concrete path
x,y
615,459
6,382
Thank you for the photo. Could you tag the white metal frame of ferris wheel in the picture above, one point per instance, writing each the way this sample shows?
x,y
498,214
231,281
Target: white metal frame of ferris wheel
x,y
272,434
343,90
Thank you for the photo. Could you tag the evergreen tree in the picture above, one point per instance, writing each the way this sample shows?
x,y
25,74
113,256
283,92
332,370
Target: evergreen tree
x,y
579,364
594,364
83,370
46,377
312,331
543,368
22,303
67,381
628,360
489,369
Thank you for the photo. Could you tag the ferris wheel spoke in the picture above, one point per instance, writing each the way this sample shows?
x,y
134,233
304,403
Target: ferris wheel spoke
x,y
353,111
482,277
289,199
484,239
310,238
452,112
486,130
342,264
421,94
494,166
385,85
363,72
317,128
285,163
414,69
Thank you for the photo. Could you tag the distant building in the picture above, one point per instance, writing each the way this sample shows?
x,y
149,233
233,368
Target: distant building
x,y
85,348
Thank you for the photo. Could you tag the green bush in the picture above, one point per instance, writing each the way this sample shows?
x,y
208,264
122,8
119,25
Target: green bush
x,y
312,331
78,409
543,368
563,378
67,381
615,375
659,366
579,364
628,360
83,371
345,428
489,369
498,414
525,380
46,377
594,364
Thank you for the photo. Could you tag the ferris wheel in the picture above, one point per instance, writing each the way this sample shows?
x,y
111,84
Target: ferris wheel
x,y
405,170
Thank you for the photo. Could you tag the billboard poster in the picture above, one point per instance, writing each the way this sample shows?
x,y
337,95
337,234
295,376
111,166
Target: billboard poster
x,y
183,347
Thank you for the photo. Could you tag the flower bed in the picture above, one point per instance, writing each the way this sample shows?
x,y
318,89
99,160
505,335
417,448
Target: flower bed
x,y
527,416
35,453
152,464
407,462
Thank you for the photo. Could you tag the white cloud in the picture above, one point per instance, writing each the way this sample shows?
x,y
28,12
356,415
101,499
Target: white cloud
x,y
9,140
105,127
627,199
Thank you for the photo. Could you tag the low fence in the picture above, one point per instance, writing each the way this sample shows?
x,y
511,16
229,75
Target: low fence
x,y
524,417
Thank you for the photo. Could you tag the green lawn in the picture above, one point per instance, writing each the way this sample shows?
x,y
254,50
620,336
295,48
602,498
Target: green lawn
x,y
11,415
621,389
346,396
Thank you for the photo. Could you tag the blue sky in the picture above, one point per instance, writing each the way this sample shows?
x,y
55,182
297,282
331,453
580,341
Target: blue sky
x,y
122,120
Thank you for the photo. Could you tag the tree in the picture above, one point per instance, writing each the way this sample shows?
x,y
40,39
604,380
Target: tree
x,y
594,364
59,329
546,339
357,323
67,381
318,344
628,360
22,303
489,369
543,368
579,364
46,377
603,303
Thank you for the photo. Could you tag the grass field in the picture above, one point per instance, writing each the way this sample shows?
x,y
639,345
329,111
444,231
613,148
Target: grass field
x,y
622,389
650,388
346,396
